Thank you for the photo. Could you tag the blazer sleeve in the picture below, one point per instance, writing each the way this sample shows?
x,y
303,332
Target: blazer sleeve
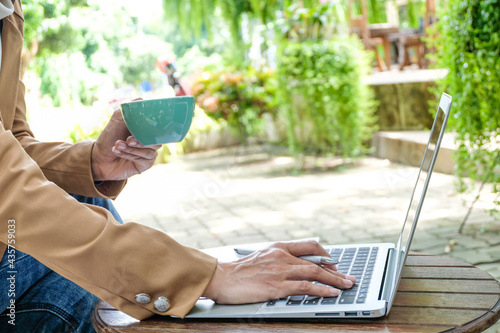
x,y
67,165
86,245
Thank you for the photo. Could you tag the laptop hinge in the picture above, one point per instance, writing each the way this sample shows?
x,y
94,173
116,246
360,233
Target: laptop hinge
x,y
388,279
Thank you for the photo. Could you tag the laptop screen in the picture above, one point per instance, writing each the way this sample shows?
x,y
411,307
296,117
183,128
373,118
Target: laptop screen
x,y
422,182
423,178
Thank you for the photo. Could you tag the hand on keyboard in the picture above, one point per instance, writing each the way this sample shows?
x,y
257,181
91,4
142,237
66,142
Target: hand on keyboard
x,y
276,272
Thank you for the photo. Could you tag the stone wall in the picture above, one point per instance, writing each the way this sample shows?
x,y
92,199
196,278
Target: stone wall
x,y
404,106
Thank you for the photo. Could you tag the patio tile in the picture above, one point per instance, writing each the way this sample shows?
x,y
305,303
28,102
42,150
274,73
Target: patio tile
x,y
224,201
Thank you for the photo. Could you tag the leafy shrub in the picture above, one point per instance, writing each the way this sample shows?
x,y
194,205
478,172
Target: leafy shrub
x,y
468,45
66,79
240,97
328,108
201,135
195,60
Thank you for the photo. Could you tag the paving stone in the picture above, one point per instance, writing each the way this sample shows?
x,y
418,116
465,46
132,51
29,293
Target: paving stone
x,y
385,231
437,251
232,201
423,242
333,236
276,236
493,251
177,234
244,239
225,223
208,243
263,219
189,241
200,233
470,243
493,269
446,231
472,256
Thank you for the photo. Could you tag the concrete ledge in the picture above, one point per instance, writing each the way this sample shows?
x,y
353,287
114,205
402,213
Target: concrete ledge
x,y
408,147
403,98
406,76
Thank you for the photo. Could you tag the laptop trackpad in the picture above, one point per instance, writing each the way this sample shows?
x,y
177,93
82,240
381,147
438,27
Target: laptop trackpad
x,y
206,308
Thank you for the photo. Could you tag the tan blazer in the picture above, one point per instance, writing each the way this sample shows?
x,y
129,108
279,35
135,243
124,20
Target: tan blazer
x,y
82,243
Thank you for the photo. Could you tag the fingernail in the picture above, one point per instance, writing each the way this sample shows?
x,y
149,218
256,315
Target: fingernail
x,y
348,283
133,142
122,146
350,277
334,292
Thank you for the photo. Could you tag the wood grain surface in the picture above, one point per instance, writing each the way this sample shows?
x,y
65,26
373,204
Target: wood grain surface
x,y
436,294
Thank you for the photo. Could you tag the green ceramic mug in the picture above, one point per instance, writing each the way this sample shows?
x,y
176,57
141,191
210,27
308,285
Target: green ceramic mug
x,y
159,121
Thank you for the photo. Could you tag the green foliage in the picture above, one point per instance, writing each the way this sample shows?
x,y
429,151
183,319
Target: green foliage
x,y
144,50
468,45
264,10
319,22
33,17
411,13
199,17
114,45
78,134
328,108
376,11
415,11
201,128
195,59
47,24
240,97
81,60
67,80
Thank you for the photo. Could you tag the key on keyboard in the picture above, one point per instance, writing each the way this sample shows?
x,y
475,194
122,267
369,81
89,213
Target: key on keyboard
x,y
359,262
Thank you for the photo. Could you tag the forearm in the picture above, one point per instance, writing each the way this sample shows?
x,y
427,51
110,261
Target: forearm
x,y
69,166
84,243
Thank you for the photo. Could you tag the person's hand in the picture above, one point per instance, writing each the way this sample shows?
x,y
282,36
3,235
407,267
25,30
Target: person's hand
x,y
117,155
276,272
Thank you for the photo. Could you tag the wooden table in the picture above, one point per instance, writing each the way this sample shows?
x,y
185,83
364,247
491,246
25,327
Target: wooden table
x,y
435,294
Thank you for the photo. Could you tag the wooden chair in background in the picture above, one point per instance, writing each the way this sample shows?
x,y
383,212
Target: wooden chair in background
x,y
414,40
359,25
410,40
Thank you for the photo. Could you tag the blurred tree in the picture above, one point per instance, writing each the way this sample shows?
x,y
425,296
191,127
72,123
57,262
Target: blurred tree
x,y
468,45
196,17
82,48
48,30
327,107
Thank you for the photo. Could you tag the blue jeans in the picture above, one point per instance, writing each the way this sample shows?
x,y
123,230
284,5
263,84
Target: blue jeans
x,y
44,300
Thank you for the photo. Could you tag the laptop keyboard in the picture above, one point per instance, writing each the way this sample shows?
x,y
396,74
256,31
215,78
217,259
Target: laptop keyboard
x,y
358,262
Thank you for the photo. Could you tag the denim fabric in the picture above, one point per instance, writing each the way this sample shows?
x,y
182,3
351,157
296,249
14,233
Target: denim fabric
x,y
44,300
105,203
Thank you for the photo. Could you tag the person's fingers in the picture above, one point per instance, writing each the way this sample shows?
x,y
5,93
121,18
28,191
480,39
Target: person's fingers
x,y
299,269
306,247
123,150
280,251
134,157
273,273
290,287
332,267
317,273
132,142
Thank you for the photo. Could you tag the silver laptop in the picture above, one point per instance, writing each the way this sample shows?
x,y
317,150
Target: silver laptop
x,y
377,267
